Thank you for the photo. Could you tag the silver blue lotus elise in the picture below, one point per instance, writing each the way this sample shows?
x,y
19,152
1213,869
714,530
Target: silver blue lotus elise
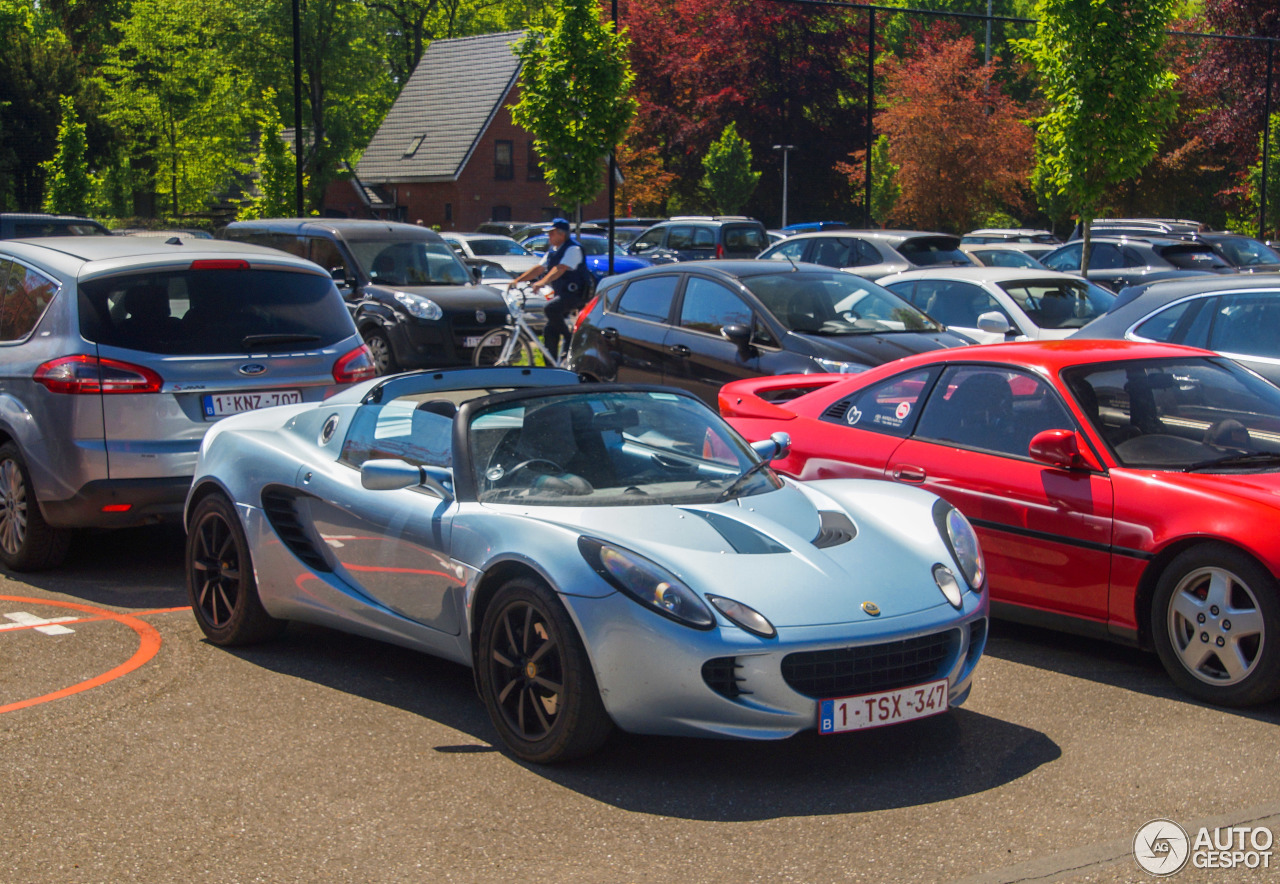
x,y
600,555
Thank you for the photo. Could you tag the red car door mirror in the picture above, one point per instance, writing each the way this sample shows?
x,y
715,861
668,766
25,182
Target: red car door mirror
x,y
1059,448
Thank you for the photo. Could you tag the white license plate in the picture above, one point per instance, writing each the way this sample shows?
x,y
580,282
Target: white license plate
x,y
473,341
220,404
887,707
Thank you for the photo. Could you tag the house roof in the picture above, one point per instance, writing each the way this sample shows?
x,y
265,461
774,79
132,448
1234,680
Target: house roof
x,y
444,109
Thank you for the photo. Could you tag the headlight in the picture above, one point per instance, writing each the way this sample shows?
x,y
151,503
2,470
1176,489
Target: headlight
x,y
646,582
962,541
423,308
740,615
834,367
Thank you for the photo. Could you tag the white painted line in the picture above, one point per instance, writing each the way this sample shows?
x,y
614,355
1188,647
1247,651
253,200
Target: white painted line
x,y
21,619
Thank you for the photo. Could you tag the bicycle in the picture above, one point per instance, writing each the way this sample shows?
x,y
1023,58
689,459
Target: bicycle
x,y
519,342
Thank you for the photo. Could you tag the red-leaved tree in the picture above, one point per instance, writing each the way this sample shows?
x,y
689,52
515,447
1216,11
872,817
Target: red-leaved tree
x,y
962,146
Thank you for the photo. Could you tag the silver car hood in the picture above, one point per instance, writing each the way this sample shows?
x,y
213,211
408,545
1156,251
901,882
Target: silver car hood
x,y
759,550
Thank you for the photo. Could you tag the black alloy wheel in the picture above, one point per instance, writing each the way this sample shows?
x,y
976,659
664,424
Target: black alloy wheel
x,y
220,581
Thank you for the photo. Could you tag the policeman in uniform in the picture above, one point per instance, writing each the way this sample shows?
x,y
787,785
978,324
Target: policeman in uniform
x,y
564,268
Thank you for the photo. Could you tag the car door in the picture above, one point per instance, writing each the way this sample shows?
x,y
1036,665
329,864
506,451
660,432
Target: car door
x,y
633,329
1246,327
956,304
698,357
393,546
1045,532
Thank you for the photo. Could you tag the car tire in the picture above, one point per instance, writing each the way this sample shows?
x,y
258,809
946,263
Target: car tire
x,y
27,541
535,677
220,580
1215,621
489,351
383,357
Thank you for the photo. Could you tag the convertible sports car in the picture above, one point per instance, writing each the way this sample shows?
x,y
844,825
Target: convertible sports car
x,y
1122,490
600,555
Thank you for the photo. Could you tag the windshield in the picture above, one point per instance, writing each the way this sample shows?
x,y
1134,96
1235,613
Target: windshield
x,y
608,449
1060,303
409,262
927,251
835,303
1245,252
1007,258
497,248
1181,413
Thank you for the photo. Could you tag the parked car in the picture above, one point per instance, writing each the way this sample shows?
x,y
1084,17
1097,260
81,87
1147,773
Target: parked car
x,y
698,326
1121,261
502,250
1238,316
1023,255
416,305
601,556
991,235
24,225
596,253
814,227
1119,490
120,352
1243,252
489,272
1160,228
168,233
504,228
993,304
871,253
700,238
625,222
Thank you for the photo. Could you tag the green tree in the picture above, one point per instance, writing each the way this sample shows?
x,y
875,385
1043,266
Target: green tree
x,y
727,180
1251,189
885,189
575,97
1109,94
275,168
67,179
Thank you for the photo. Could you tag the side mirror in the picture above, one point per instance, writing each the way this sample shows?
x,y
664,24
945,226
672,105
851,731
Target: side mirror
x,y
393,475
339,275
994,323
738,335
1058,448
776,447
477,275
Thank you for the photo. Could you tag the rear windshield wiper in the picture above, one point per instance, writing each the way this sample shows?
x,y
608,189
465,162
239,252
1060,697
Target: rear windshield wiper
x,y
1257,458
249,341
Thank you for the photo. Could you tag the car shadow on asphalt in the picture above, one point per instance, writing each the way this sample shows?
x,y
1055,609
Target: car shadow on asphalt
x,y
1101,662
137,568
919,762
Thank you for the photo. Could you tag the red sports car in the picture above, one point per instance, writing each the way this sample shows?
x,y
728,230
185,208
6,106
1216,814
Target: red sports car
x,y
1123,490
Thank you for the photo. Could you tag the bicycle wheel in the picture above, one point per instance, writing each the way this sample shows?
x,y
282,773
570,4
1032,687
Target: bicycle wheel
x,y
494,346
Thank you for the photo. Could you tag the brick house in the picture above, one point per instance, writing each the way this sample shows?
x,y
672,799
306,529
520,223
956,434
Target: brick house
x,y
448,153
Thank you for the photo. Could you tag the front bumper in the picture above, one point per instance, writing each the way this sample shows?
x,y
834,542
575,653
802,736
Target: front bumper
x,y
652,678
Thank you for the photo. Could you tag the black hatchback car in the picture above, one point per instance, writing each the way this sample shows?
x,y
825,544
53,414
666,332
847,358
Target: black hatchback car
x,y
415,303
698,326
700,238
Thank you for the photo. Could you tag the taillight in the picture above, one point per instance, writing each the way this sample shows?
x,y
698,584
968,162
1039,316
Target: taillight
x,y
220,264
582,314
719,250
89,374
355,366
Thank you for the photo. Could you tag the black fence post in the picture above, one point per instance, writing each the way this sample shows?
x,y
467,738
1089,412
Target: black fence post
x,y
871,106
1266,142
297,109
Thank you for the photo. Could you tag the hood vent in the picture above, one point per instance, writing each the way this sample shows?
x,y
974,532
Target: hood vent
x,y
278,505
742,537
837,528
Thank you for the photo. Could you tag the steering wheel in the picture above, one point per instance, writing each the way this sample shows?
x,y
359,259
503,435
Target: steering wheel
x,y
525,464
850,315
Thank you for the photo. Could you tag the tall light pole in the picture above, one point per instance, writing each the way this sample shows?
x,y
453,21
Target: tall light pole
x,y
786,152
297,110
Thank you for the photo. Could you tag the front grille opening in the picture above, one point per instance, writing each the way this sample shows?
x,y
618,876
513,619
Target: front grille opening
x,y
842,672
721,675
278,505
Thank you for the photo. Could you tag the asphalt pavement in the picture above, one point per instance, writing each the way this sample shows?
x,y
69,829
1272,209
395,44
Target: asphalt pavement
x,y
131,750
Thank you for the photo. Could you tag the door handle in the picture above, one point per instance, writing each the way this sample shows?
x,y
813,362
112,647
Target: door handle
x,y
905,473
609,334
679,349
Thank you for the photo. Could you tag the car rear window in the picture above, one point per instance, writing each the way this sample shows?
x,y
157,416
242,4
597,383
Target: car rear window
x,y
204,312
745,239
926,251
1192,257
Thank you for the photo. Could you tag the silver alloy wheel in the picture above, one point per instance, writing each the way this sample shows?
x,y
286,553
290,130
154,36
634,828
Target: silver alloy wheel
x,y
13,508
1216,627
380,347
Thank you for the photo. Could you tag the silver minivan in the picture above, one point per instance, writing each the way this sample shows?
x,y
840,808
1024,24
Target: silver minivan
x,y
118,353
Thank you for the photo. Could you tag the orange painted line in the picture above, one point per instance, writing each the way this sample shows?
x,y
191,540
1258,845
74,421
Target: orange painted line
x,y
148,646
16,628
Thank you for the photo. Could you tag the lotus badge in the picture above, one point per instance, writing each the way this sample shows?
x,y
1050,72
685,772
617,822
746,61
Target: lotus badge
x,y
871,608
